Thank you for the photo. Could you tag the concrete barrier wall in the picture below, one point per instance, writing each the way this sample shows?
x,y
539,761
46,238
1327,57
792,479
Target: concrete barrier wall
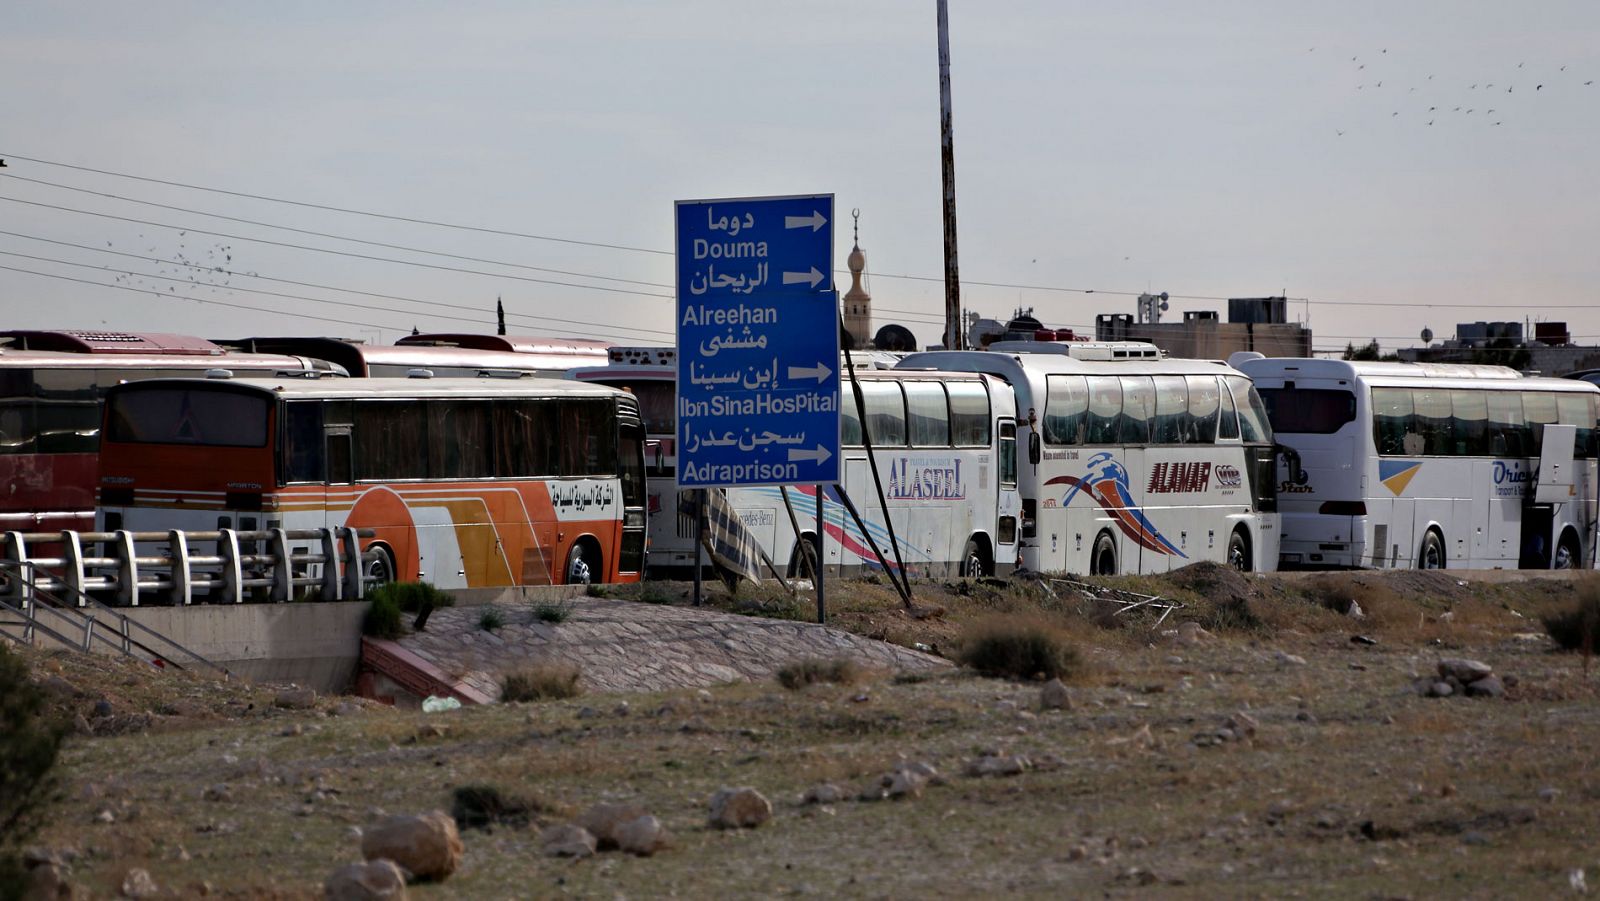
x,y
316,645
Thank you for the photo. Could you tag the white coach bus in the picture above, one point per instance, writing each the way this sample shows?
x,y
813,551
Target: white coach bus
x,y
1431,465
1134,463
945,445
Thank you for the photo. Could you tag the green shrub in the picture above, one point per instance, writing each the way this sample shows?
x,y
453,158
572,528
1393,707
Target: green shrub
x,y
1018,649
596,590
491,619
541,682
383,618
656,593
30,739
812,671
552,612
414,597
480,806
1578,629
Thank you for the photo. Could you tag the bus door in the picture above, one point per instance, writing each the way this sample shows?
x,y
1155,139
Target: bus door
x,y
1008,503
1554,486
630,558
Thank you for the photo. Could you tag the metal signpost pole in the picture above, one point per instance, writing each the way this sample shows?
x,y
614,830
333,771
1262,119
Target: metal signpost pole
x,y
822,548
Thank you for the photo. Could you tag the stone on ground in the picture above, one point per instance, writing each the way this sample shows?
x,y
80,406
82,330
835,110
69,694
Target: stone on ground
x,y
567,840
1054,696
1467,671
427,846
296,699
643,836
374,880
739,808
603,819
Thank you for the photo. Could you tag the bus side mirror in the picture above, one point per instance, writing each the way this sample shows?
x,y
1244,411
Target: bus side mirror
x,y
1033,448
652,448
1291,459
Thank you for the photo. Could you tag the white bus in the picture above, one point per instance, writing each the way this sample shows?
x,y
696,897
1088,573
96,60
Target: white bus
x,y
1432,465
1134,464
945,446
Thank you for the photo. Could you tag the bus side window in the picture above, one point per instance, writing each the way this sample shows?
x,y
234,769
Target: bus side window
x,y
1228,427
1253,426
1508,431
1203,404
391,441
1138,409
929,414
1539,407
1105,410
338,444
463,445
969,414
302,435
849,419
886,413
1470,421
1066,408
1391,419
1008,455
1433,422
1171,410
1574,409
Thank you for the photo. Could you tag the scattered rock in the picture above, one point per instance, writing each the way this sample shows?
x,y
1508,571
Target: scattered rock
x,y
997,765
431,730
825,793
739,808
567,840
1355,611
346,708
138,884
905,784
1549,793
1287,659
1441,690
643,836
218,792
292,730
1243,725
59,686
1467,671
369,881
295,699
602,820
427,846
1190,634
46,882
1054,696
1488,687
103,707
105,816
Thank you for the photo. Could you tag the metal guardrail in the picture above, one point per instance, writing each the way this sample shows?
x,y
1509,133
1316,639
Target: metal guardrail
x,y
124,568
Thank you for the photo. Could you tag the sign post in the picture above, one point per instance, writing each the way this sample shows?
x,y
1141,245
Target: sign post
x,y
758,342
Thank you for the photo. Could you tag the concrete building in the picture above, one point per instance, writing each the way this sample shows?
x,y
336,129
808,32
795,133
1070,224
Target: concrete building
x,y
1549,352
1254,323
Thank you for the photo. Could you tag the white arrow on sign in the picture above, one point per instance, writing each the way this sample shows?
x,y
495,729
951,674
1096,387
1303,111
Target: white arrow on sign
x,y
816,220
820,372
800,278
818,456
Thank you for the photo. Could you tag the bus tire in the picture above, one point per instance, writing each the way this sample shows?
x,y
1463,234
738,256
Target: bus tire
x,y
1569,555
974,562
798,567
379,569
583,564
1432,554
1239,550
1103,560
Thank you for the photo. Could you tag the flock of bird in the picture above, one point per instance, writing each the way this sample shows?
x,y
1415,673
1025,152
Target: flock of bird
x,y
1485,100
180,268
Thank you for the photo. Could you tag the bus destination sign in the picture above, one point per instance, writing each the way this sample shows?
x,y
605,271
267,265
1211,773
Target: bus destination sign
x,y
758,342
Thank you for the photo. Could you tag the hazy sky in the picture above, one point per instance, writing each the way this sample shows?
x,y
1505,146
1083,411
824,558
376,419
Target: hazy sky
x,y
1354,155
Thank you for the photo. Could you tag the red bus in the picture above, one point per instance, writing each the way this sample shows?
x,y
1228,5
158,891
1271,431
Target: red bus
x,y
51,386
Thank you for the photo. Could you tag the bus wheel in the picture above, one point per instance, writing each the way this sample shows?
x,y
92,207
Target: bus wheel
x,y
804,558
583,564
1239,551
973,564
1103,562
1568,556
380,568
1432,556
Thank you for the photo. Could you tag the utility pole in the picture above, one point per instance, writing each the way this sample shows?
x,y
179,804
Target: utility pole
x,y
500,316
952,281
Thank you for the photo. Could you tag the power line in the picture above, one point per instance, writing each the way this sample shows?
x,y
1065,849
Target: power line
x,y
218,269
340,303
335,209
317,234
341,253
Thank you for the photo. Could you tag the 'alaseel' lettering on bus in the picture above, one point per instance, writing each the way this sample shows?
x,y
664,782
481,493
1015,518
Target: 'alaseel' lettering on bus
x,y
909,480
1175,478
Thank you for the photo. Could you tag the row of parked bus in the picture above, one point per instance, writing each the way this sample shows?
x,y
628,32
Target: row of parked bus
x,y
506,460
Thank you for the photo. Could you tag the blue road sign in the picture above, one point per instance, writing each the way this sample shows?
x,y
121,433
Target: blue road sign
x,y
758,342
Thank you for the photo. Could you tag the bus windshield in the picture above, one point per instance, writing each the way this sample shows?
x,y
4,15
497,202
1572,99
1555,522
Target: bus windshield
x,y
196,416
656,399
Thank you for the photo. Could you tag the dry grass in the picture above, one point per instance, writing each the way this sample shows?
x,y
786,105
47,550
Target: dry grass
x,y
1578,628
1019,647
813,671
541,682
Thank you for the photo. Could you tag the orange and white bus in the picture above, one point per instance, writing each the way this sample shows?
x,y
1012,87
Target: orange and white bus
x,y
465,483
51,384
442,355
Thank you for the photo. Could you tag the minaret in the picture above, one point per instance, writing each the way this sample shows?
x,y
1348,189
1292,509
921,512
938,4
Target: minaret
x,y
857,303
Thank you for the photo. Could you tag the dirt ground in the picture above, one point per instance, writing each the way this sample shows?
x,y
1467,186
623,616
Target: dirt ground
x,y
1351,784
